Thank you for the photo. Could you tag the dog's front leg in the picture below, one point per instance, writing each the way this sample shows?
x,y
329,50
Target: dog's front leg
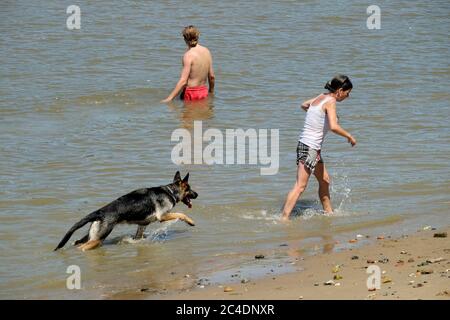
x,y
175,215
139,232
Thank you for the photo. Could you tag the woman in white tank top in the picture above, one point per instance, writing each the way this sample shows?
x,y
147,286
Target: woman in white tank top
x,y
320,118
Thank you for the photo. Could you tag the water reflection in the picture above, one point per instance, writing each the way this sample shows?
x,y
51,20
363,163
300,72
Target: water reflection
x,y
326,243
190,111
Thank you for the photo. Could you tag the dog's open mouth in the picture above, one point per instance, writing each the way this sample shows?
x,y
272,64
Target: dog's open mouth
x,y
187,201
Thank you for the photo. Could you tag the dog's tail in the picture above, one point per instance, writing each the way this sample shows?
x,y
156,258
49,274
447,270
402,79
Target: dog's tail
x,y
96,215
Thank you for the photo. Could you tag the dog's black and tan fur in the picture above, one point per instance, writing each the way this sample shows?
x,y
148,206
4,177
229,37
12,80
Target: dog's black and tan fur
x,y
140,207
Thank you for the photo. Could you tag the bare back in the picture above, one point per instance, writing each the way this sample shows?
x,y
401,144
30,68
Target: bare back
x,y
200,66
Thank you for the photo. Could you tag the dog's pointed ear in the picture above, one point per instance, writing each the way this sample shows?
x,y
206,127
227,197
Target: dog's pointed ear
x,y
185,179
177,177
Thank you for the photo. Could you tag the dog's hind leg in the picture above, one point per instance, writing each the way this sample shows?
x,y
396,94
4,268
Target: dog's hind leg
x,y
91,244
175,215
82,240
97,233
139,232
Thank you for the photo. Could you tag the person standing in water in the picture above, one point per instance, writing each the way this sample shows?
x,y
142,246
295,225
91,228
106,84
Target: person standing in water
x,y
320,118
197,70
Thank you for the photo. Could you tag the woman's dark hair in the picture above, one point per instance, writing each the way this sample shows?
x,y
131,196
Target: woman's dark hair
x,y
339,82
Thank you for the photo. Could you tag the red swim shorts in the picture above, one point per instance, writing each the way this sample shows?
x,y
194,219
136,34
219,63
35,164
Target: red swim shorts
x,y
195,93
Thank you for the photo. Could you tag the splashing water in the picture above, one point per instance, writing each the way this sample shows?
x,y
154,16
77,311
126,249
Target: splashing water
x,y
340,189
262,215
159,235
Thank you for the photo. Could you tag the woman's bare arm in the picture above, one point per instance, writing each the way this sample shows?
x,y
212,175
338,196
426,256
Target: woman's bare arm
x,y
305,105
330,108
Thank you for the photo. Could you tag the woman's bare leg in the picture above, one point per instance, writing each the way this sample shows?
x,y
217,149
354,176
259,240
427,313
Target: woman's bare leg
x,y
324,187
293,195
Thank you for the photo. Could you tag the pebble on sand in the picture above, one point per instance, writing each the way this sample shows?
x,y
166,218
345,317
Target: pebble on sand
x,y
444,293
425,271
386,280
435,260
400,263
259,256
371,296
440,235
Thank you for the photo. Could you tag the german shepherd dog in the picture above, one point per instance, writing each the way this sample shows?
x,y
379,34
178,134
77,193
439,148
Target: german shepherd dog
x,y
140,207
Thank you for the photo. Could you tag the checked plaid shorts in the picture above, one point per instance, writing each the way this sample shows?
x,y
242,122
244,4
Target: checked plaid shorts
x,y
307,156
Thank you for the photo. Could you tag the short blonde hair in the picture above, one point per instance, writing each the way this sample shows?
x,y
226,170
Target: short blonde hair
x,y
190,35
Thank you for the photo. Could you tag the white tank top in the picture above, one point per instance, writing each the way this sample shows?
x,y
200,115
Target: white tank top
x,y
316,126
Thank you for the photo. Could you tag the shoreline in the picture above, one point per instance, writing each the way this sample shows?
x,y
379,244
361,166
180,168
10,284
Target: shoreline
x,y
415,266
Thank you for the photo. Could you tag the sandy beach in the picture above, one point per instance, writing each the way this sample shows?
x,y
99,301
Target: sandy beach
x,y
413,266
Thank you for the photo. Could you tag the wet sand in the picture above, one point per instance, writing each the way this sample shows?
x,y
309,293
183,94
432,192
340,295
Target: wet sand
x,y
413,266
